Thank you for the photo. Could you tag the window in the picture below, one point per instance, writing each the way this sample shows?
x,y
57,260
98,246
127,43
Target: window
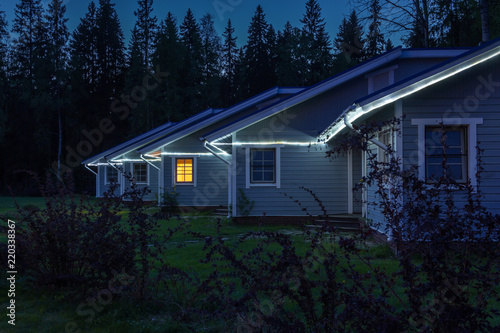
x,y
184,170
468,128
385,138
454,150
263,166
111,175
140,173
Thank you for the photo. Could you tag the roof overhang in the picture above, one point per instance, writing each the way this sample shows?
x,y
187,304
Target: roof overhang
x,y
218,117
412,85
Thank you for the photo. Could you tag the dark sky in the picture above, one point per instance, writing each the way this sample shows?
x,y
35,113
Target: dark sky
x,y
239,11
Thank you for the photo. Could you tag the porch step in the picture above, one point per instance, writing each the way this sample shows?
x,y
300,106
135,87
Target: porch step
x,y
343,223
221,212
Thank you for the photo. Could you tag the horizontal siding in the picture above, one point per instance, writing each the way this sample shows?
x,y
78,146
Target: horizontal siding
x,y
211,183
452,98
300,166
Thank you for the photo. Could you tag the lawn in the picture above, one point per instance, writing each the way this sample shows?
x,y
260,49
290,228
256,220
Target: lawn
x,y
60,310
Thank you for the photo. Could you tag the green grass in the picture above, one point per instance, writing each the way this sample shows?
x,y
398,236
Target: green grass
x,y
46,310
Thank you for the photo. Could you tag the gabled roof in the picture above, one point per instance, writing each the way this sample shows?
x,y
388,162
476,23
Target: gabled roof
x,y
328,84
414,84
150,136
253,101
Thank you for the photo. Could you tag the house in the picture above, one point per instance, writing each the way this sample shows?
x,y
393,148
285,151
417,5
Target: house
x,y
271,148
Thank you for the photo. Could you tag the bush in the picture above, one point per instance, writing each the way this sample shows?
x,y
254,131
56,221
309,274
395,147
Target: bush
x,y
72,241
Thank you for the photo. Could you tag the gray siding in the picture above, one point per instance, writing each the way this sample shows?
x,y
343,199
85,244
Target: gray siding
x,y
458,98
300,167
211,182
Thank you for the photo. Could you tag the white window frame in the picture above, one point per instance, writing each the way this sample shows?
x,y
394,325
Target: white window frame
x,y
471,134
106,182
277,155
174,170
148,172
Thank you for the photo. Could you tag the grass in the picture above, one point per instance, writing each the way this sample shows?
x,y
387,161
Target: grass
x,y
56,310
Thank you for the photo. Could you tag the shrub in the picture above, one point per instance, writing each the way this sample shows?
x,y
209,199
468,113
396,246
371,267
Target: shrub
x,y
72,240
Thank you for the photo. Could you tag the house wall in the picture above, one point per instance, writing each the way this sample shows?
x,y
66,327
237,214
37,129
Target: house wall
x,y
463,96
211,182
300,167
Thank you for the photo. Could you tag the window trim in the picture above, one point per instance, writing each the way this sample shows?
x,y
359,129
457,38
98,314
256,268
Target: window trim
x,y
106,182
277,157
463,144
147,173
174,170
471,137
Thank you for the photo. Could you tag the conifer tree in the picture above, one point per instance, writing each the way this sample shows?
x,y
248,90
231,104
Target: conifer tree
x,y
169,57
375,41
258,58
290,65
316,44
211,64
4,36
57,60
192,68
110,53
228,60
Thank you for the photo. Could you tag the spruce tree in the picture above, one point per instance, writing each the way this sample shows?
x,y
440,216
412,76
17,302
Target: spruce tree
x,y
4,36
349,43
211,65
141,48
258,58
316,44
229,59
57,61
290,65
110,53
28,22
169,57
375,40
192,69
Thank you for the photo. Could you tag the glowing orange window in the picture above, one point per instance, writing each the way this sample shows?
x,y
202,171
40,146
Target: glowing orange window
x,y
184,170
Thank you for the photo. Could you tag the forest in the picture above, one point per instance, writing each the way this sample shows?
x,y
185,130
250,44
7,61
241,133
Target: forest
x,y
68,95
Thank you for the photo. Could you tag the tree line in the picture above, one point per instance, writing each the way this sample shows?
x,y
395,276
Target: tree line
x,y
57,86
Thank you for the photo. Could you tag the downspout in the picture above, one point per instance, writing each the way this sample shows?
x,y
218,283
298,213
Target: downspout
x,y
374,141
229,175
159,170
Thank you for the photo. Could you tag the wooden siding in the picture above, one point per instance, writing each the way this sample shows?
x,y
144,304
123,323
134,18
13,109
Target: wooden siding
x,y
458,97
300,167
211,183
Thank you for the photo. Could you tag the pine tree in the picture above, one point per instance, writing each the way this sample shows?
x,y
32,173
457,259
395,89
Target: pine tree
x,y
290,67
140,55
349,42
316,44
57,60
211,65
260,73
375,40
229,59
83,53
169,57
27,25
144,30
192,69
110,53
388,45
4,36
